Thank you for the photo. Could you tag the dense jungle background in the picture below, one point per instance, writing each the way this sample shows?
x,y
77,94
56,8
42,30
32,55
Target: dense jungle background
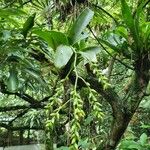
x,y
75,74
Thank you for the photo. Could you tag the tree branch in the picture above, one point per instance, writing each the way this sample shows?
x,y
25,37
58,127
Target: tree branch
x,y
19,115
20,128
23,96
13,108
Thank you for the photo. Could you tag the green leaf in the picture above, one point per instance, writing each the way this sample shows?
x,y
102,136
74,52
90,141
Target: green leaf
x,y
148,88
122,31
137,14
134,147
117,43
127,15
89,53
12,82
137,21
143,139
115,48
53,38
84,144
145,126
129,20
9,15
28,25
80,24
35,74
62,55
128,143
88,120
82,36
115,39
13,58
145,32
10,12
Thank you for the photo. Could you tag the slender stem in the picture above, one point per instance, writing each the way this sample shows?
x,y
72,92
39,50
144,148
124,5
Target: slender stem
x,y
75,69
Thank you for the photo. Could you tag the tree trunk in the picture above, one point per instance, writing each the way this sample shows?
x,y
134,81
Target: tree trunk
x,y
123,115
118,128
124,109
21,137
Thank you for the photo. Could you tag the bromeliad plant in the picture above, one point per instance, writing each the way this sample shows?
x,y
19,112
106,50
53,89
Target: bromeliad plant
x,y
131,37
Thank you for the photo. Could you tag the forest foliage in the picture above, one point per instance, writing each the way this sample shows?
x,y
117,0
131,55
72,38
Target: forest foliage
x,y
77,71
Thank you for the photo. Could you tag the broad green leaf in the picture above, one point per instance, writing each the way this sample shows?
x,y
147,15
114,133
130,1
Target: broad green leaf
x,y
28,25
53,38
12,82
79,25
62,55
89,53
143,139
82,36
